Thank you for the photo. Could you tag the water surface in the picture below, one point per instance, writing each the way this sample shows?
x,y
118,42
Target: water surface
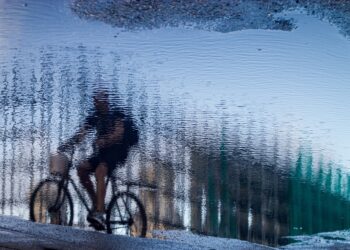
x,y
243,128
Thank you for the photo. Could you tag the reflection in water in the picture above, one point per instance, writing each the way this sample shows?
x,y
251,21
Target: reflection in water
x,y
319,199
215,176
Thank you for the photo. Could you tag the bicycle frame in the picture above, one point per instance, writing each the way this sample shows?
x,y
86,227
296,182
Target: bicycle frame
x,y
121,206
66,180
80,193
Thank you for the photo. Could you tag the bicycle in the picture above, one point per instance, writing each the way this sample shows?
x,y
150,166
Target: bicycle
x,y
51,202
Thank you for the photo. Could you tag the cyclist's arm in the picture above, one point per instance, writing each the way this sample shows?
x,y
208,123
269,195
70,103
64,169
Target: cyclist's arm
x,y
77,138
80,135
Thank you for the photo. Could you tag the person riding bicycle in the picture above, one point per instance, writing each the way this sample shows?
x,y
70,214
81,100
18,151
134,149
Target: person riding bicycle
x,y
115,134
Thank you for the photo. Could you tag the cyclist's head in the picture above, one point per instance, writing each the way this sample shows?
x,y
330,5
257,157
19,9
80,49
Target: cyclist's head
x,y
101,100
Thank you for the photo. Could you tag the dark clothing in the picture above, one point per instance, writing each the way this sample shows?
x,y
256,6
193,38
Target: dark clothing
x,y
111,158
104,123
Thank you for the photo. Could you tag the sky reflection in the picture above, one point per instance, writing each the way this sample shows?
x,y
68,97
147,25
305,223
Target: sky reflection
x,y
216,110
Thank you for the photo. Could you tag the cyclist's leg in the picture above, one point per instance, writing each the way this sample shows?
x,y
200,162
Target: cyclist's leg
x,y
101,173
108,160
84,171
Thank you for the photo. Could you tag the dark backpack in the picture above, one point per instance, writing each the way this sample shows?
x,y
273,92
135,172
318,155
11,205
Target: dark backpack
x,y
131,133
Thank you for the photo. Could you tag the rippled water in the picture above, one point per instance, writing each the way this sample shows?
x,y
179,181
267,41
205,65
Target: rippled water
x,y
244,126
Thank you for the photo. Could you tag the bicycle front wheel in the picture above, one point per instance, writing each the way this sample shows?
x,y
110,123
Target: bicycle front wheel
x,y
126,216
51,203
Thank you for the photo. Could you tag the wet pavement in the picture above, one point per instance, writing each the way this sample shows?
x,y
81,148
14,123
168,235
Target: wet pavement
x,y
222,16
16,233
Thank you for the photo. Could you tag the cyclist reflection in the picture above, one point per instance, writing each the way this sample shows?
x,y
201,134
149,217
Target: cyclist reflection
x,y
115,134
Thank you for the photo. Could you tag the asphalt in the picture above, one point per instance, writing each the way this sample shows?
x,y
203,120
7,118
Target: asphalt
x,y
16,233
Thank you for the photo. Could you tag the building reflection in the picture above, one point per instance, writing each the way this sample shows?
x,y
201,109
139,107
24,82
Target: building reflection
x,y
255,204
246,206
208,182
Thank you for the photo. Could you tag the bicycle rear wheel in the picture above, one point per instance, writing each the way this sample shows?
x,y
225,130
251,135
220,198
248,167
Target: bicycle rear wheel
x,y
51,203
126,216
